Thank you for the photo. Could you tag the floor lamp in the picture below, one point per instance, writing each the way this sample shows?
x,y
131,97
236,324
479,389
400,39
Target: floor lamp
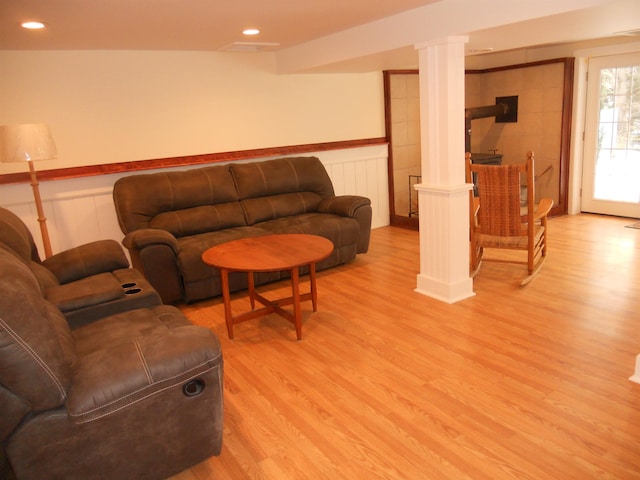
x,y
28,143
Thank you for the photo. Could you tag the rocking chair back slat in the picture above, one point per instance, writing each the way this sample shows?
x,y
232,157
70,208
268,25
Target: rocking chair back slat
x,y
499,189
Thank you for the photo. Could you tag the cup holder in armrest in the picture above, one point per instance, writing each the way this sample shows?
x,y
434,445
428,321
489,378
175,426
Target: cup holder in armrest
x,y
129,288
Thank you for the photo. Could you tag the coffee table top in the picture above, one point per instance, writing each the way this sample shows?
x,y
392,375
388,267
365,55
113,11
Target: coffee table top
x,y
268,252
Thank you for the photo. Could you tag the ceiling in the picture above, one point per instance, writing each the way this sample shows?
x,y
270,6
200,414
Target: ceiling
x,y
184,24
307,35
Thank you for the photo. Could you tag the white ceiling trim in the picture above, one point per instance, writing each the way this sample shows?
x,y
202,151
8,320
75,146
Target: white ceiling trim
x,y
423,24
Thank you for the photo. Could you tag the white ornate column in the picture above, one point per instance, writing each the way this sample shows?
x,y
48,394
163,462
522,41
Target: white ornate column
x,y
443,195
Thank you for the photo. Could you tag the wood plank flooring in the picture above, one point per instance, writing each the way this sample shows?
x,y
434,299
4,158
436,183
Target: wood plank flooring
x,y
513,383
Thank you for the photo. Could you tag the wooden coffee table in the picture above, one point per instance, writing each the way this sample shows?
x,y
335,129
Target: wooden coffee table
x,y
269,253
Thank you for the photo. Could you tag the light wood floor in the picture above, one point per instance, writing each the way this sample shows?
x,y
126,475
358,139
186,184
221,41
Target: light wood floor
x,y
513,383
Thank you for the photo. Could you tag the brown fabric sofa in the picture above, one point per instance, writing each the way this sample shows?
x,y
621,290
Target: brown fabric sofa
x,y
86,282
170,218
136,395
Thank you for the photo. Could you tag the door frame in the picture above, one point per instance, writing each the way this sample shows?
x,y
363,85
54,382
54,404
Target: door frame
x,y
579,115
592,96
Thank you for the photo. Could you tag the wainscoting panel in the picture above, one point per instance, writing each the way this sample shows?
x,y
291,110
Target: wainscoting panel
x,y
80,210
361,172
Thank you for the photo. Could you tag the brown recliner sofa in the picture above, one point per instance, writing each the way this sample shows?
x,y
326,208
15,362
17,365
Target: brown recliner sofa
x,y
136,395
86,282
170,218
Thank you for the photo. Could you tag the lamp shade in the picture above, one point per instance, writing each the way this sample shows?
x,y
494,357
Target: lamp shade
x,y
26,142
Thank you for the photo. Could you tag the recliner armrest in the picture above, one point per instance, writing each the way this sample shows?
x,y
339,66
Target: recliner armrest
x,y
138,239
85,260
343,205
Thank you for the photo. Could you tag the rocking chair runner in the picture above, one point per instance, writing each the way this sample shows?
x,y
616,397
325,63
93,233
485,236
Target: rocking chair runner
x,y
496,219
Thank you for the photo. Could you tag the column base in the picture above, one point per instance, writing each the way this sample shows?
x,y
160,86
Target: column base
x,y
445,292
444,242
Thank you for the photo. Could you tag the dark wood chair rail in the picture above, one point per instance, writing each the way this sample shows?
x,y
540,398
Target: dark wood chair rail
x,y
134,166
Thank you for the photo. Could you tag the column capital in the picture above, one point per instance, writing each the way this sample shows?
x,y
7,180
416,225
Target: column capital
x,y
449,40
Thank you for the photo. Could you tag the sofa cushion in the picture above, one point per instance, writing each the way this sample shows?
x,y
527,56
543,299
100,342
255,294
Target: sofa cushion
x,y
15,235
282,175
261,209
340,230
205,218
140,198
192,248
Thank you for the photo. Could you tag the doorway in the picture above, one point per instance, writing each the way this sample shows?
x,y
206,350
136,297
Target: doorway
x,y
611,168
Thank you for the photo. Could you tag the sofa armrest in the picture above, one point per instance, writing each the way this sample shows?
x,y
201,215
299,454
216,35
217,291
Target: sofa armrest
x,y
343,205
101,256
154,254
139,239
353,206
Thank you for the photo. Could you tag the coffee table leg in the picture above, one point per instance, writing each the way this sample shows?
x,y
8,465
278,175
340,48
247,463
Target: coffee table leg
x,y
252,289
312,281
224,277
295,287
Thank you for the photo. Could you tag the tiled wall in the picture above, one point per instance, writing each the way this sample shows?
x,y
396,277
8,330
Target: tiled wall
x,y
540,98
405,139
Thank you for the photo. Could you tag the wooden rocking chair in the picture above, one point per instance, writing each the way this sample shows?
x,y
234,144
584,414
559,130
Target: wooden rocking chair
x,y
497,218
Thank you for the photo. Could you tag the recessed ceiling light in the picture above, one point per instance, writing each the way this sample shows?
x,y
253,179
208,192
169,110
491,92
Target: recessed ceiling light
x,y
251,31
33,25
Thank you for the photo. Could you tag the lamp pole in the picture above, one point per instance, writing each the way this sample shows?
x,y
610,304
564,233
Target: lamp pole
x,y
42,220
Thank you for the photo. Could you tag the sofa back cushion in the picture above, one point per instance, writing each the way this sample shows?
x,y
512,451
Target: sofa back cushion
x,y
183,203
15,235
205,218
281,187
262,209
36,346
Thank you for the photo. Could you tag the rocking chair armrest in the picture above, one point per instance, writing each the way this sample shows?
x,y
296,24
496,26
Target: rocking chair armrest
x,y
543,208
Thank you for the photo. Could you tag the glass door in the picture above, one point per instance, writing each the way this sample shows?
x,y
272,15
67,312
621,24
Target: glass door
x,y
611,172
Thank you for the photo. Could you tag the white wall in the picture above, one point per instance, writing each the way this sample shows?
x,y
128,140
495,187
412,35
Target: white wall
x,y
119,106
116,106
